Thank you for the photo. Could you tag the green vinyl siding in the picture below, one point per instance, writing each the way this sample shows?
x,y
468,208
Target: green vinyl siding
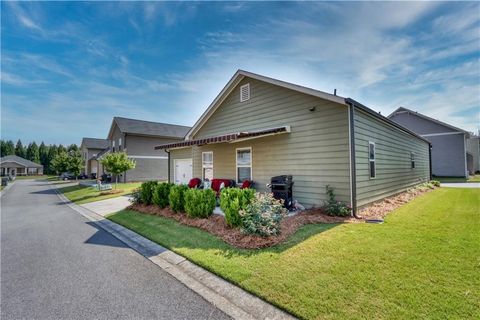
x,y
392,159
315,152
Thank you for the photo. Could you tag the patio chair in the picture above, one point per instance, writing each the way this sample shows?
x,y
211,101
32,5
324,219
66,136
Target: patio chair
x,y
194,183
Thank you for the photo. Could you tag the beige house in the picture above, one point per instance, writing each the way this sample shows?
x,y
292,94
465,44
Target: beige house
x,y
17,166
138,138
91,148
259,127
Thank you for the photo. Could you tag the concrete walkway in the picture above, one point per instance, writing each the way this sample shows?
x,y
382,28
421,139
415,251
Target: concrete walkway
x,y
104,207
461,185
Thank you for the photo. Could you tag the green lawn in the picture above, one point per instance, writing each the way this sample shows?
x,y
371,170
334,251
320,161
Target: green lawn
x,y
81,194
48,177
423,262
475,178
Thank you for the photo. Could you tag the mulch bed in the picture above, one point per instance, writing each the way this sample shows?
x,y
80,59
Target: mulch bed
x,y
217,226
115,191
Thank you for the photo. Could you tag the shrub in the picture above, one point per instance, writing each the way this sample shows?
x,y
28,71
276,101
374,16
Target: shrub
x,y
136,196
146,191
161,193
263,215
177,197
232,200
436,183
199,203
333,207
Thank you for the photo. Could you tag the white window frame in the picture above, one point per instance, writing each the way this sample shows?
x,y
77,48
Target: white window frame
x,y
248,90
207,167
119,142
412,161
113,145
243,166
374,160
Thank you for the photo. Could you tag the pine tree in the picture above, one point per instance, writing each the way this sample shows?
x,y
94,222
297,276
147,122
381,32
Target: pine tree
x,y
61,148
32,152
20,150
43,154
9,148
72,147
52,152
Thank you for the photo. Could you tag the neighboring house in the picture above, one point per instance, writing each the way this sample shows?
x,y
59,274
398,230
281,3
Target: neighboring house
x,y
259,127
17,166
90,149
137,138
449,143
473,154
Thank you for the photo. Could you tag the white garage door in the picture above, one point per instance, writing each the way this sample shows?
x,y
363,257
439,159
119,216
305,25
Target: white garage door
x,y
183,171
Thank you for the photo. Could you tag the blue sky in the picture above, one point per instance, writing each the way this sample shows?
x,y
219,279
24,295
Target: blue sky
x,y
68,68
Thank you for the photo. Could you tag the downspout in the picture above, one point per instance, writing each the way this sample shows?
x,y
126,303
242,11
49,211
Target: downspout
x,y
352,159
430,159
168,167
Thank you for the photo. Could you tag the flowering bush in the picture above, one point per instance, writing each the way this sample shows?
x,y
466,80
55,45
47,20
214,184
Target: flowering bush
x,y
333,207
263,215
232,200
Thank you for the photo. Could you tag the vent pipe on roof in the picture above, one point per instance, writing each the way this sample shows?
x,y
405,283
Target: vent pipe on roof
x,y
335,92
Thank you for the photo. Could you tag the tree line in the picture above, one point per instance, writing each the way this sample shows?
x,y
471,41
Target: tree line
x,y
42,154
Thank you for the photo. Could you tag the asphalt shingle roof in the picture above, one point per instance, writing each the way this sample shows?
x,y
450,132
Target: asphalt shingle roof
x,y
149,128
20,160
95,143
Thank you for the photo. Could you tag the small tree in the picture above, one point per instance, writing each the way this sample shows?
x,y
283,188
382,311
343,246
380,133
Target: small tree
x,y
117,163
75,162
60,162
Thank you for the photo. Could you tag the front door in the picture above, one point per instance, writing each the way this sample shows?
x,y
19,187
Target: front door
x,y
183,171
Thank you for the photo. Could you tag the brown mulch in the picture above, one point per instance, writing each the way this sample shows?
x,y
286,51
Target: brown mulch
x,y
383,207
104,193
216,225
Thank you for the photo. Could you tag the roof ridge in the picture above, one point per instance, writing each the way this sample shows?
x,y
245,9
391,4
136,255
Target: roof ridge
x,y
156,122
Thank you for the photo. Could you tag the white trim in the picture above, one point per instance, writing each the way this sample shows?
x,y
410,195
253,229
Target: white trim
x,y
203,175
243,166
374,160
350,154
440,134
237,78
175,167
146,157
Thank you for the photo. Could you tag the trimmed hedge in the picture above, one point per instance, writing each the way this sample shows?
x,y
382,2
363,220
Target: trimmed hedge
x,y
161,194
199,203
177,197
232,200
146,191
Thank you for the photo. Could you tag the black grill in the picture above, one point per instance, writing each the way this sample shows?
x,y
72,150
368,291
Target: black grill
x,y
282,189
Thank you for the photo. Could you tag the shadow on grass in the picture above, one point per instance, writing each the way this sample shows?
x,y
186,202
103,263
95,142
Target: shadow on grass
x,y
175,236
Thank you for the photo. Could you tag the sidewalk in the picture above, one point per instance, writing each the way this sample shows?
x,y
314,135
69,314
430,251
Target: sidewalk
x,y
232,300
461,185
104,207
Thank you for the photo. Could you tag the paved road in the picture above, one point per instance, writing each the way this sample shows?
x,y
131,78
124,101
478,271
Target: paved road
x,y
57,265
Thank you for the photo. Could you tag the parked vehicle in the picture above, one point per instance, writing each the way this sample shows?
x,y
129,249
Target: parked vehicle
x,y
67,176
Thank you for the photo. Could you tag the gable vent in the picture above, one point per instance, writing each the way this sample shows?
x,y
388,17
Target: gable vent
x,y
245,92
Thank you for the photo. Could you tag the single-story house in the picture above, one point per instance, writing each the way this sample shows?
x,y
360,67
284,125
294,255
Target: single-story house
x,y
138,138
90,149
449,143
17,166
259,127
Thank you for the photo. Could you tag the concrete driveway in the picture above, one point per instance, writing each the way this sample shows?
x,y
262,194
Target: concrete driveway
x,y
461,185
57,265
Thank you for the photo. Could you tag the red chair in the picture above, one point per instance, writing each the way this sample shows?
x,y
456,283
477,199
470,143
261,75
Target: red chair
x,y
216,183
246,184
194,183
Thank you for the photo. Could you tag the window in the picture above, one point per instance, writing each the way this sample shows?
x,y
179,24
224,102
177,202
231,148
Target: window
x,y
244,164
207,165
119,142
371,159
245,92
412,160
113,145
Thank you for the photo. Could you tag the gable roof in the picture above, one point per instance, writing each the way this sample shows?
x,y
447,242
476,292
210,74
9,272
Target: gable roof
x,y
21,161
148,128
94,143
239,76
418,114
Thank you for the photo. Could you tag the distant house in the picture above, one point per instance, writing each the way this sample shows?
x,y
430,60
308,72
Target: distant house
x,y
473,154
137,138
17,166
450,156
90,149
259,127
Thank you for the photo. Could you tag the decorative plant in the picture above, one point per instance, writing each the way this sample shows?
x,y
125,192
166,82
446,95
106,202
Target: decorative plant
x,y
199,203
177,197
161,193
263,215
333,207
232,200
136,196
146,191
117,163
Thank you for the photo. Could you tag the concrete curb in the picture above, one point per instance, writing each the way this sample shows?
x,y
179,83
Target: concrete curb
x,y
232,300
6,188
